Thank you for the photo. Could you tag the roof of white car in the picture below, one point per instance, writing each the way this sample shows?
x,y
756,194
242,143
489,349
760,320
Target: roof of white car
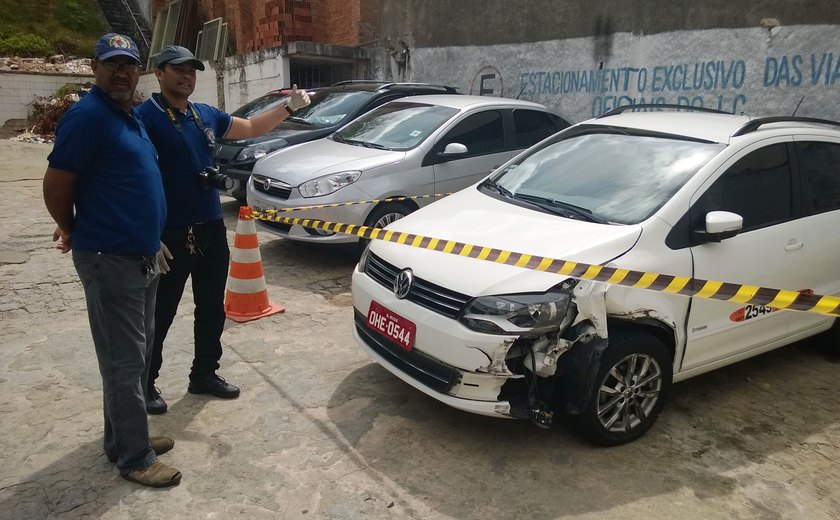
x,y
702,125
461,102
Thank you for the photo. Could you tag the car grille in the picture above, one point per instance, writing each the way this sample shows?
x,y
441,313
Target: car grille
x,y
426,294
430,372
277,189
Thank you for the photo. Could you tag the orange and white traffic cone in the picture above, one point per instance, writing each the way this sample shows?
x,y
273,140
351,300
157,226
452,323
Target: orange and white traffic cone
x,y
246,297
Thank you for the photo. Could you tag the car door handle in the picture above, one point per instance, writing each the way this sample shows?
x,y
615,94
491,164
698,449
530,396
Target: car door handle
x,y
793,246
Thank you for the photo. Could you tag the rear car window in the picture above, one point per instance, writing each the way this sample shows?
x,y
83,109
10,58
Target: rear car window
x,y
532,126
260,105
819,165
330,108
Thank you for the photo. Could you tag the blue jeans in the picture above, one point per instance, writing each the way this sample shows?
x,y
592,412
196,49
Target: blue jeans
x,y
120,295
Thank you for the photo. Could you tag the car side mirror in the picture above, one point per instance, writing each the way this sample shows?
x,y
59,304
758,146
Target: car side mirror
x,y
454,149
720,225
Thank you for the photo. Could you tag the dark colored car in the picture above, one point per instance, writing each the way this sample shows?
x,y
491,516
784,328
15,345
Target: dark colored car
x,y
330,108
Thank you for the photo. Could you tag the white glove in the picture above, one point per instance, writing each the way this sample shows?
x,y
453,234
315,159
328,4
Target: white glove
x,y
298,99
161,258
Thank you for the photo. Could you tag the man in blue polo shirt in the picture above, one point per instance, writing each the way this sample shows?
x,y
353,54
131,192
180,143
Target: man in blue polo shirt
x,y
183,133
104,165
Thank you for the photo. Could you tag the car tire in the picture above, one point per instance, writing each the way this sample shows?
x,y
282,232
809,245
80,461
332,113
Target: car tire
x,y
618,413
383,215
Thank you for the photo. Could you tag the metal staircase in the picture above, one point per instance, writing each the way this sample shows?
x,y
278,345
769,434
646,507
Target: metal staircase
x,y
124,17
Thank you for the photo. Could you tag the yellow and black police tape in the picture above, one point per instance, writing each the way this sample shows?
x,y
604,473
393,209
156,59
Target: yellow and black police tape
x,y
696,287
342,204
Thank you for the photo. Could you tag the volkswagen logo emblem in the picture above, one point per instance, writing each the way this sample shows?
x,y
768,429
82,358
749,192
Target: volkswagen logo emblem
x,y
266,184
402,283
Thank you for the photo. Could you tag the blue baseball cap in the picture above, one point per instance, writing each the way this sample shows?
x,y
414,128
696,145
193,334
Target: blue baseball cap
x,y
113,44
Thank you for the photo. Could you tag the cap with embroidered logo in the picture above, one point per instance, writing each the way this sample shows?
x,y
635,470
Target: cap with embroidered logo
x,y
176,55
113,44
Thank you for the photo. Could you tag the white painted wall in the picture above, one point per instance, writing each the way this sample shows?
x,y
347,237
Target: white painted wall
x,y
205,86
249,76
18,91
757,71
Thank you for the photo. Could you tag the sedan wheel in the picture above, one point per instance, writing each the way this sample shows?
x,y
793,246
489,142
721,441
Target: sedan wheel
x,y
381,216
387,218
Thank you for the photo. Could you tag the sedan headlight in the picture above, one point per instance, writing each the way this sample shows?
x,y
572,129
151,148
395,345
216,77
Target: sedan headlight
x,y
328,183
258,151
517,313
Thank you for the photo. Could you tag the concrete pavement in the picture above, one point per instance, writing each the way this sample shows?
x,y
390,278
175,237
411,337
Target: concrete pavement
x,y
321,432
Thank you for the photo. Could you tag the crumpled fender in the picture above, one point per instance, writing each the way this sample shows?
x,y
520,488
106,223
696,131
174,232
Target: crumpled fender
x,y
591,302
579,368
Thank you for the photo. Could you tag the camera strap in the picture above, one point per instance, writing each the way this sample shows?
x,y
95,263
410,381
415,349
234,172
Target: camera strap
x,y
170,113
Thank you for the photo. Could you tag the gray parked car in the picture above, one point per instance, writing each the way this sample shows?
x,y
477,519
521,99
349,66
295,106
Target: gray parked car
x,y
419,146
331,108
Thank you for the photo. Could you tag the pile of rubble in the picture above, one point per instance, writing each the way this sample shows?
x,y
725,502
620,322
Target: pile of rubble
x,y
56,64
28,137
46,112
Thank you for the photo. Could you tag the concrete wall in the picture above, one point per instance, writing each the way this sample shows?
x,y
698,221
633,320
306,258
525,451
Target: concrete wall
x,y
583,58
447,23
760,71
249,76
18,90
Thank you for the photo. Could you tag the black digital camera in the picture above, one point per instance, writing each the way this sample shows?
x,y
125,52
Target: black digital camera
x,y
210,177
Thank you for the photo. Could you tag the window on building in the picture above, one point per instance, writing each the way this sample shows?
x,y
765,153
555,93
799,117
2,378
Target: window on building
x,y
311,75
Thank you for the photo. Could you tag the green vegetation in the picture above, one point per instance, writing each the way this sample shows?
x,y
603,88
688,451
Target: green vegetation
x,y
38,28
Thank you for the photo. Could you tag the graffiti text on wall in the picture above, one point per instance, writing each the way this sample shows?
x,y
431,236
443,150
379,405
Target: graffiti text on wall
x,y
716,84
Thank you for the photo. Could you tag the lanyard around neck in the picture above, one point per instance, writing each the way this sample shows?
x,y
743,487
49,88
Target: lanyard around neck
x,y
170,112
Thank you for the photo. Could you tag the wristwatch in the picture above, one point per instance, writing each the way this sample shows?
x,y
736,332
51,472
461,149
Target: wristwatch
x,y
288,109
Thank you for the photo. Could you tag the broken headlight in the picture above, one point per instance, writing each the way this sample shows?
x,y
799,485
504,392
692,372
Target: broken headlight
x,y
518,313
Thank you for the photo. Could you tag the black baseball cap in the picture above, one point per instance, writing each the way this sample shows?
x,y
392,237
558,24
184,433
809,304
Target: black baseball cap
x,y
176,55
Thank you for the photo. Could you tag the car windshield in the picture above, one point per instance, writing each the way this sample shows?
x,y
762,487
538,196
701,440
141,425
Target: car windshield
x,y
604,175
330,108
396,126
260,105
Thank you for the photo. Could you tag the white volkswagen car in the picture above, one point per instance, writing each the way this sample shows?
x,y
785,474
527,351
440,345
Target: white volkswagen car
x,y
422,145
710,196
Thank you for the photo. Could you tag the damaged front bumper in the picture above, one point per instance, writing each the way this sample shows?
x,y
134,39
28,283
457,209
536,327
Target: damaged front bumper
x,y
516,375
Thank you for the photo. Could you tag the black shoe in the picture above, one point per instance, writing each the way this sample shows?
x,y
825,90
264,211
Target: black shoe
x,y
155,405
213,385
